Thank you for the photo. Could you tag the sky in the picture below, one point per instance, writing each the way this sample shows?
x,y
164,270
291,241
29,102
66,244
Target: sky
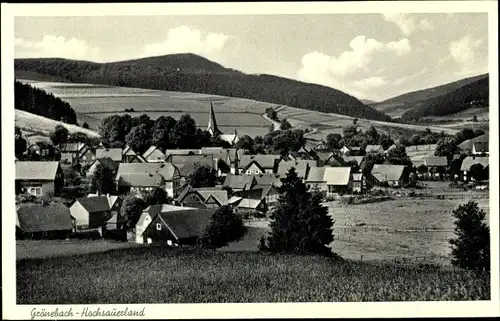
x,y
370,56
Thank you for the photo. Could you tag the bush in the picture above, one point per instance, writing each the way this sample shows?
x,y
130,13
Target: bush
x,y
224,227
471,247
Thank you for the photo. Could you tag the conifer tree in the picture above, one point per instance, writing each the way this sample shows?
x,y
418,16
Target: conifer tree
x,y
471,247
299,222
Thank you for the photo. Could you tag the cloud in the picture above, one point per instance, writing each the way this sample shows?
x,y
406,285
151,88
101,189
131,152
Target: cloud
x,y
187,40
56,47
407,23
463,50
371,82
351,70
362,53
401,47
466,53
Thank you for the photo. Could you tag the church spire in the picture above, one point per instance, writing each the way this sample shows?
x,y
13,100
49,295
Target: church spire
x,y
212,123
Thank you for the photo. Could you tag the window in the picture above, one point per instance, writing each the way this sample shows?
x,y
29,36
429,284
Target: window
x,y
158,226
35,191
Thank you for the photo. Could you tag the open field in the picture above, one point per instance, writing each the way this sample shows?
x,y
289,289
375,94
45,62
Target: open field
x,y
95,102
92,103
335,123
156,274
30,123
411,228
42,249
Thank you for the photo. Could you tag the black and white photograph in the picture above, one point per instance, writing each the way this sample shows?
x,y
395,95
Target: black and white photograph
x,y
250,153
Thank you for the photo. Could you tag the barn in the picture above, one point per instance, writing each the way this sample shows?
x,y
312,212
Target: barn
x,y
178,227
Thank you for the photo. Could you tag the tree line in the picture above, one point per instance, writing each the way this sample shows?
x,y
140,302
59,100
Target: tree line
x,y
165,132
473,95
39,102
175,73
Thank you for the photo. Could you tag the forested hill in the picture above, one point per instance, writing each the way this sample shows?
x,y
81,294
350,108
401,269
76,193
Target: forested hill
x,y
192,73
39,102
473,95
428,93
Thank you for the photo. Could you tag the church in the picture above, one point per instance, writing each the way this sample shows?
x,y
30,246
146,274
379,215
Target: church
x,y
214,130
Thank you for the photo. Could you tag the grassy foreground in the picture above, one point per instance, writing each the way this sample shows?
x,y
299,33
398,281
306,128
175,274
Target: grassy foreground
x,y
161,275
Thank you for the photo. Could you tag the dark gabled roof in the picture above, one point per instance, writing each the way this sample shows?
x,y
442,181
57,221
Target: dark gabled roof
x,y
239,181
265,161
36,170
188,223
166,170
266,179
436,161
94,204
140,180
113,153
71,147
44,218
387,172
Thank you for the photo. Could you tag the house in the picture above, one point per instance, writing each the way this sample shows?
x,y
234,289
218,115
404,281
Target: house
x,y
115,202
140,182
436,165
183,227
337,180
358,184
116,154
471,160
301,167
86,156
232,139
334,160
44,221
269,193
71,152
258,164
40,178
239,182
91,213
374,149
356,159
480,148
206,197
428,148
390,174
153,154
130,156
355,151
215,197
315,179
188,163
149,213
229,157
171,182
40,150
267,180
249,201
106,162
304,154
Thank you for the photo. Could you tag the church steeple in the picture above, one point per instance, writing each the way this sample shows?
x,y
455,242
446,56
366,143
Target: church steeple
x,y
212,123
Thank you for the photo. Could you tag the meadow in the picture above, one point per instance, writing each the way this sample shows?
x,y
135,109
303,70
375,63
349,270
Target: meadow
x,y
411,230
92,103
324,124
32,124
156,274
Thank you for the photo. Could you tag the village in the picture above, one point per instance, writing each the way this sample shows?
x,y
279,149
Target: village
x,y
247,183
